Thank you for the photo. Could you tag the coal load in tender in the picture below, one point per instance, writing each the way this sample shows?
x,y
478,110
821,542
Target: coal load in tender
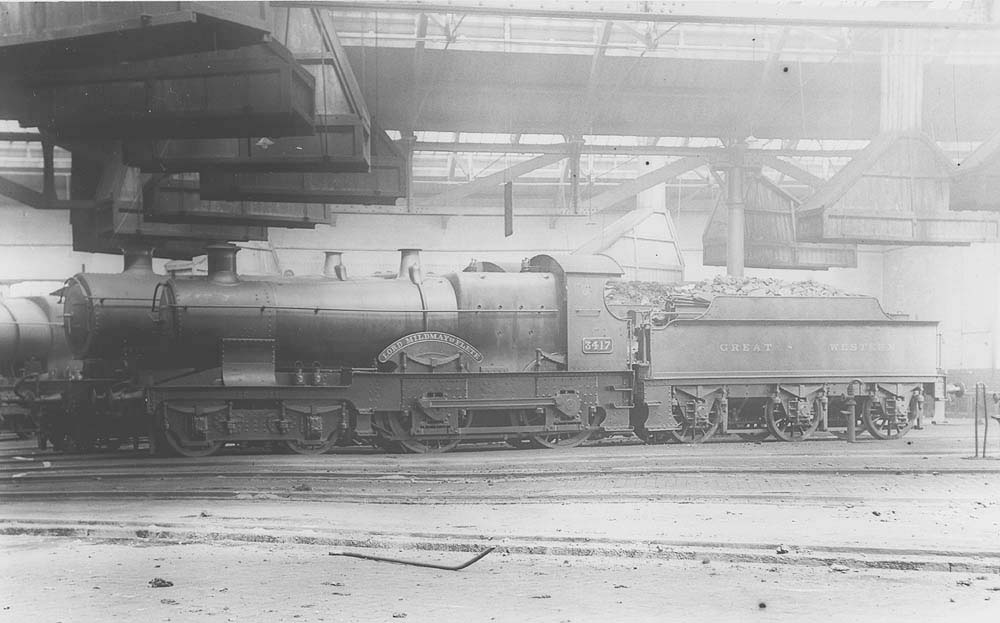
x,y
652,293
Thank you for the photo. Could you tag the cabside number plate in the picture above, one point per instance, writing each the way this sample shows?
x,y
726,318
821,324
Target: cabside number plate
x,y
597,345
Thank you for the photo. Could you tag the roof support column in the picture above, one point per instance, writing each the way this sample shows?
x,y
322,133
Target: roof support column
x,y
407,141
736,232
574,174
902,81
48,170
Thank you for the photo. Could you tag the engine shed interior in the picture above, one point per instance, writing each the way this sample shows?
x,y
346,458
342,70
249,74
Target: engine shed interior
x,y
715,151
645,310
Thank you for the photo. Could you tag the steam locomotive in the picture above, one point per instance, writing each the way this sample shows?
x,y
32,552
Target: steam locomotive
x,y
32,349
71,360
421,363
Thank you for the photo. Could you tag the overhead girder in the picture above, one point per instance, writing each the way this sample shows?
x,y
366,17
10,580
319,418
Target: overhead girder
x,y
791,170
22,194
618,150
673,97
494,91
491,181
695,13
610,233
605,200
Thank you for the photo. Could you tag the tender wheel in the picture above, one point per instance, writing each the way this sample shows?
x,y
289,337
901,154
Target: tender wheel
x,y
755,436
316,447
695,428
548,440
790,427
399,424
889,419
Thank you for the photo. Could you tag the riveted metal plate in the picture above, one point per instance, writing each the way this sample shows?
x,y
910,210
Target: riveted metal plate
x,y
247,362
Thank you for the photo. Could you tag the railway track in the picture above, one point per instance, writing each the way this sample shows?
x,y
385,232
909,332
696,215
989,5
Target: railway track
x,y
955,560
861,506
421,481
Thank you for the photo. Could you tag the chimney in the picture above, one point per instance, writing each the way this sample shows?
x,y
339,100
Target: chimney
x,y
333,267
137,260
222,262
409,265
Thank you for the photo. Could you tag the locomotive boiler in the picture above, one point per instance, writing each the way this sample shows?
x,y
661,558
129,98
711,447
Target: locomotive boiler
x,y
334,321
31,336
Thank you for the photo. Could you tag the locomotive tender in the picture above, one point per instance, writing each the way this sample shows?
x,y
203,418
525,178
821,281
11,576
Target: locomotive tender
x,y
421,363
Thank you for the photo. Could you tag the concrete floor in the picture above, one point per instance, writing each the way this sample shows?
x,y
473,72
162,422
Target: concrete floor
x,y
878,531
